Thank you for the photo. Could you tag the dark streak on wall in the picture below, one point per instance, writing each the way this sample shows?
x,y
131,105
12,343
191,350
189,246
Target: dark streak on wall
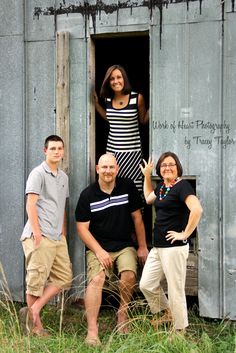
x,y
87,10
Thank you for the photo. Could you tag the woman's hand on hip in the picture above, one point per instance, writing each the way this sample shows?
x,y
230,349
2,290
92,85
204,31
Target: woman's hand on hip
x,y
172,236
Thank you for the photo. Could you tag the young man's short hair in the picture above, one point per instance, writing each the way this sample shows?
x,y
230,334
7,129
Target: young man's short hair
x,y
52,138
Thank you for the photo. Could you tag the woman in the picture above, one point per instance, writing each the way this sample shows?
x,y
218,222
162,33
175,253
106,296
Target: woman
x,y
124,110
178,212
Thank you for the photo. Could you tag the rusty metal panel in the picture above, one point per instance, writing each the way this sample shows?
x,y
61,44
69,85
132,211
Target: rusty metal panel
x,y
12,148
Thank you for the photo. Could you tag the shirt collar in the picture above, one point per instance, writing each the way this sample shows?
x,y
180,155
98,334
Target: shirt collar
x,y
48,170
99,191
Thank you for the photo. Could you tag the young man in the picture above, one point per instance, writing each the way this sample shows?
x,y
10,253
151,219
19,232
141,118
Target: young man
x,y
105,215
44,236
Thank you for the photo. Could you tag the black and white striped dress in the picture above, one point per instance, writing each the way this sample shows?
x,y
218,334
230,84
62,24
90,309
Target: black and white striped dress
x,y
124,139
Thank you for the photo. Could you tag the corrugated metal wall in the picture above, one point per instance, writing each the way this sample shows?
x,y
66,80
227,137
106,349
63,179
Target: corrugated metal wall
x,y
228,169
12,157
193,81
192,90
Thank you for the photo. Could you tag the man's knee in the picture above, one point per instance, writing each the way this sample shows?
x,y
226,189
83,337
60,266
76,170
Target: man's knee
x,y
98,280
128,277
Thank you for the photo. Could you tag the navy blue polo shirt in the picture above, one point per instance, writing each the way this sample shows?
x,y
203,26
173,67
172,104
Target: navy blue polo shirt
x,y
110,218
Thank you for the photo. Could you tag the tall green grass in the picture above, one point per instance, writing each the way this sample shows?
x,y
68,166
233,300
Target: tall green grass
x,y
67,325
202,336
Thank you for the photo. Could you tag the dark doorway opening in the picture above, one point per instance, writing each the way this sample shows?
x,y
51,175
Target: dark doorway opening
x,y
132,52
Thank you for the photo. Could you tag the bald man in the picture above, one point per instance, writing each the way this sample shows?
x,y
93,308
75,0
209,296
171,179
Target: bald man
x,y
106,214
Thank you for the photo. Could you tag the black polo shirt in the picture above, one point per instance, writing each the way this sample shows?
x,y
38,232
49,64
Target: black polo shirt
x,y
110,218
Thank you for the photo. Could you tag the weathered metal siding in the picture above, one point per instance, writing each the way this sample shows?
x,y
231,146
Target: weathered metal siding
x,y
188,83
41,93
12,129
228,170
192,85
191,117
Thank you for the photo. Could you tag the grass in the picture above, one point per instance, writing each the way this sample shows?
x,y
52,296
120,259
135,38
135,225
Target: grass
x,y
67,325
68,330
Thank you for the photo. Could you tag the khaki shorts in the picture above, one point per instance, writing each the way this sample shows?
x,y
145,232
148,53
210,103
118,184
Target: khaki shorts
x,y
123,260
48,263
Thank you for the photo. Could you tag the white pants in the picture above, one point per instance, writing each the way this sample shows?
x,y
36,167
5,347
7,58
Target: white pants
x,y
171,263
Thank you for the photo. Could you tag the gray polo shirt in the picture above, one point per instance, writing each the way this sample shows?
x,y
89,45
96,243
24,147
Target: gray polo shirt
x,y
53,191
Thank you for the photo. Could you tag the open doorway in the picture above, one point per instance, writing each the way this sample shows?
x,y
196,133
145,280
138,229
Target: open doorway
x,y
132,52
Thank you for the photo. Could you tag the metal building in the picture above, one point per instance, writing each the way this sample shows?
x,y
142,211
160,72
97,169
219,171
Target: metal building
x,y
180,54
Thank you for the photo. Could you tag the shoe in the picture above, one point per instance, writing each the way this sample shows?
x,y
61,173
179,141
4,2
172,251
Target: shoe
x,y
93,341
180,333
40,332
166,318
26,320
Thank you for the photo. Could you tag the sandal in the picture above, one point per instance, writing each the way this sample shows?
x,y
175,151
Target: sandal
x,y
26,320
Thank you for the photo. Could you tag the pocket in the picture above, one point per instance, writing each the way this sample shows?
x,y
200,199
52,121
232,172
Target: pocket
x,y
36,276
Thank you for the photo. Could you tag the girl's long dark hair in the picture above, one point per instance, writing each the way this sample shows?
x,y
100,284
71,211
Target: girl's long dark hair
x,y
106,91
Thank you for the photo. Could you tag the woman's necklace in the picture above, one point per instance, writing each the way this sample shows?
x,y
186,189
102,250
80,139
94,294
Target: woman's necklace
x,y
163,194
120,100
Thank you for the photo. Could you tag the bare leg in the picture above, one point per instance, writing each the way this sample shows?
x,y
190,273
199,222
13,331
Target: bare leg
x,y
93,300
37,303
127,282
31,299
